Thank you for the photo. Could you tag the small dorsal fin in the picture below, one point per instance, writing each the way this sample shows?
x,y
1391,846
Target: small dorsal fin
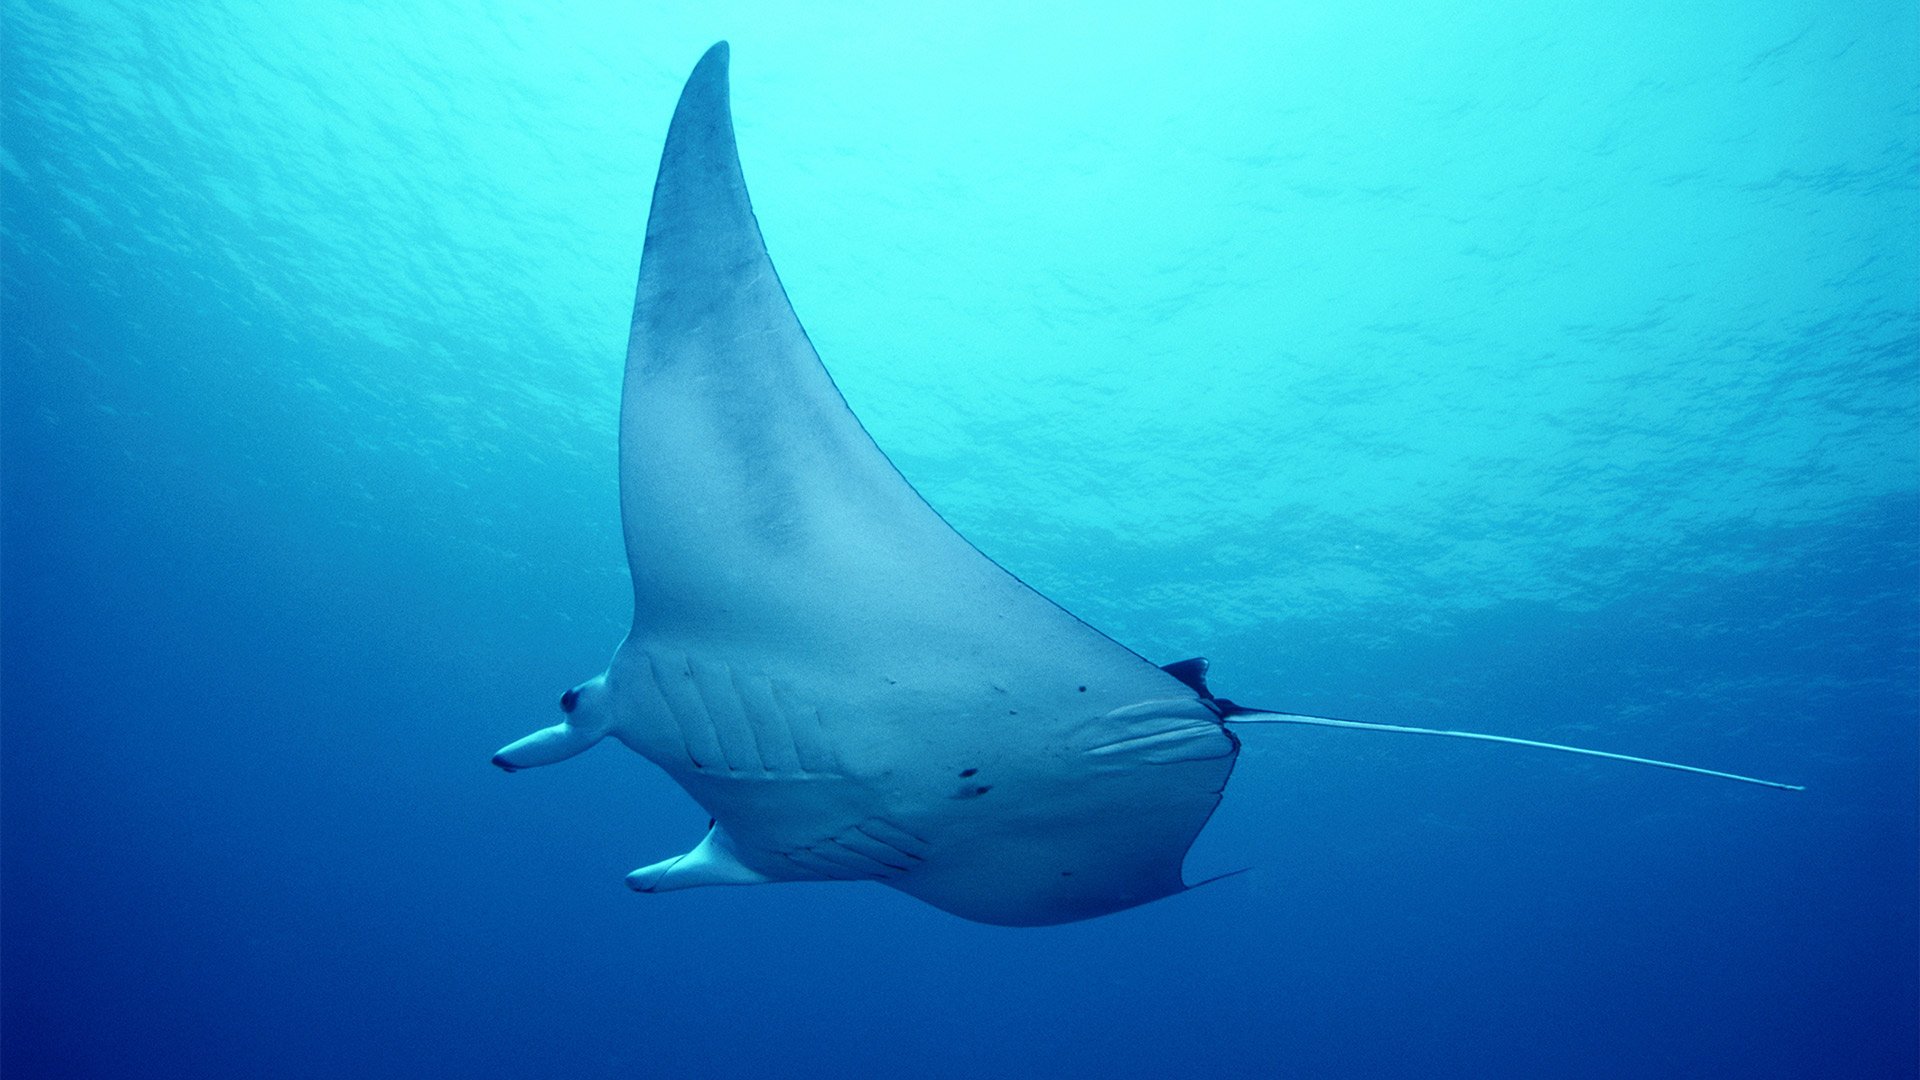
x,y
1193,672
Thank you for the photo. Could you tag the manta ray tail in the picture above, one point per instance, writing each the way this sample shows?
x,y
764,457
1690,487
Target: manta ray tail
x,y
1193,672
1240,714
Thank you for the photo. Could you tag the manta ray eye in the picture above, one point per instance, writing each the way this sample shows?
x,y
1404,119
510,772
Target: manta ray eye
x,y
568,700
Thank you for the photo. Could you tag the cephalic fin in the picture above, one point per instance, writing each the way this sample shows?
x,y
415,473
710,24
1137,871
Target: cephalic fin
x,y
546,746
589,718
711,862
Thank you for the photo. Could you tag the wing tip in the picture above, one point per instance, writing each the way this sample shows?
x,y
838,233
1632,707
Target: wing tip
x,y
706,87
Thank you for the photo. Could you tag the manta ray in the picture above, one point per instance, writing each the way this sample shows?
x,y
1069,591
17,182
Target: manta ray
x,y
850,689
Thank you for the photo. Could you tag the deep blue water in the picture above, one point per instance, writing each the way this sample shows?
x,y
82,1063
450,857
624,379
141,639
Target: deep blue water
x,y
1545,371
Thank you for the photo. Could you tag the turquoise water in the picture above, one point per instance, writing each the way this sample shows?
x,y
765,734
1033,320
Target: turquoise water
x,y
1543,372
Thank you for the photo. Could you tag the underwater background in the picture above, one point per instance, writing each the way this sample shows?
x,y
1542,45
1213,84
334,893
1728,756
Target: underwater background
x,y
1545,370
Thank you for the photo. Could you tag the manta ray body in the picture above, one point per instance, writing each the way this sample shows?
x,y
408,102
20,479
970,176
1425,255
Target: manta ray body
x,y
850,689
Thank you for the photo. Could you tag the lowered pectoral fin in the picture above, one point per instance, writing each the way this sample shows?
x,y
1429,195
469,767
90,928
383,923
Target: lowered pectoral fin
x,y
711,862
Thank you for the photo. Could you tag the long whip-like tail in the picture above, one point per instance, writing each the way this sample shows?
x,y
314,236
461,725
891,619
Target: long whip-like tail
x,y
1240,714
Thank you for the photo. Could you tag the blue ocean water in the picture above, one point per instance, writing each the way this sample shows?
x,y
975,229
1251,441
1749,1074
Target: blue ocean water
x,y
1537,370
